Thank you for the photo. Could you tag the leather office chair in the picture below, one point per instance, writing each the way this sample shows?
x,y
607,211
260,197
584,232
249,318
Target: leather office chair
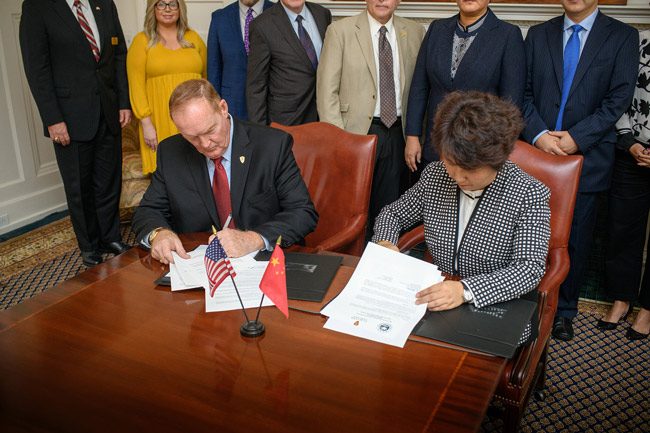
x,y
337,167
526,371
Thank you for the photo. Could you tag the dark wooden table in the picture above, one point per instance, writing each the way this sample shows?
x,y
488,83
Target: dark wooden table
x,y
108,351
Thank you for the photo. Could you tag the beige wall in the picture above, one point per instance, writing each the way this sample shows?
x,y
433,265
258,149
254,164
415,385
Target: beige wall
x,y
30,185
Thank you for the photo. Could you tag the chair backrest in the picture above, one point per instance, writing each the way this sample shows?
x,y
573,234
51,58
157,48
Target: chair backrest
x,y
337,167
561,175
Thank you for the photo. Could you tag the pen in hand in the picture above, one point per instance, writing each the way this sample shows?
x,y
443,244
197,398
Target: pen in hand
x,y
214,230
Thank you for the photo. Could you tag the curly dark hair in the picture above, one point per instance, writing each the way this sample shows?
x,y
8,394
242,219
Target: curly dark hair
x,y
475,129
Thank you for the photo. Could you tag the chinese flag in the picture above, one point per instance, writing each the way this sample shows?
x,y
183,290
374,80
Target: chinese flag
x,y
274,281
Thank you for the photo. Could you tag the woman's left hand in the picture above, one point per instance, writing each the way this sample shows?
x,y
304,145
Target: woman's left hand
x,y
441,296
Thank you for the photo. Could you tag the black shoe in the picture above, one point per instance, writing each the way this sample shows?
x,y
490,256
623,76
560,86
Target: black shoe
x,y
610,326
114,248
631,334
91,258
563,328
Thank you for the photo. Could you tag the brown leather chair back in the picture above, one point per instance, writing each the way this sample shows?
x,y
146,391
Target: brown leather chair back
x,y
337,167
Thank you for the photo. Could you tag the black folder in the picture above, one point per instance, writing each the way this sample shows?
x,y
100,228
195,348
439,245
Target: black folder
x,y
495,329
308,275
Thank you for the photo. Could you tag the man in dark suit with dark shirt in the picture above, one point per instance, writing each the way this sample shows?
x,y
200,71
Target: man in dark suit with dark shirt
x,y
219,167
581,73
74,57
228,47
285,44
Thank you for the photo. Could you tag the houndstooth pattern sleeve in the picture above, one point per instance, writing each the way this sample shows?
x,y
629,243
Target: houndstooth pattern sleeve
x,y
402,213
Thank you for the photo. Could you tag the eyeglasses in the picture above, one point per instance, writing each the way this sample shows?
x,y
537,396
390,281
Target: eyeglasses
x,y
161,6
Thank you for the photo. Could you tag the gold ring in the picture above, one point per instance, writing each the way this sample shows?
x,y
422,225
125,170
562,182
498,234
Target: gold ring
x,y
56,138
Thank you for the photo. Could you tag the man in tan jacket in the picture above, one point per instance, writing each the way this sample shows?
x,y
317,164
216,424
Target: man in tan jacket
x,y
363,80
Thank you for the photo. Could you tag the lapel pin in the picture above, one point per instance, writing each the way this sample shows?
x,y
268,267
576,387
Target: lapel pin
x,y
242,159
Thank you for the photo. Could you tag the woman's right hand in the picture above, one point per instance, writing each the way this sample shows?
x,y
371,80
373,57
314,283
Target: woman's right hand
x,y
149,132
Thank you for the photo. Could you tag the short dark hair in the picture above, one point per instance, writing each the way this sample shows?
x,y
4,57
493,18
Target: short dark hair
x,y
474,129
190,90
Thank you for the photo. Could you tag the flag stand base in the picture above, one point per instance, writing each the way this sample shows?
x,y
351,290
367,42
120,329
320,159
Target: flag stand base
x,y
252,329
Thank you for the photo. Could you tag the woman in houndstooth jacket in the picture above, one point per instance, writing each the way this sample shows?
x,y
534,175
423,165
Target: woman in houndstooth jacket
x,y
486,222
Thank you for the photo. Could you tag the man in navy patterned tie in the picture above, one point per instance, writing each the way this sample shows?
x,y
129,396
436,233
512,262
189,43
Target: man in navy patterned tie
x,y
228,48
581,72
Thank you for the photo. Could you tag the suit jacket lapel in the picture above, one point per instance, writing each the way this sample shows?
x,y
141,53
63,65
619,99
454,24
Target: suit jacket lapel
x,y
554,38
68,17
597,37
444,51
285,28
365,42
402,38
321,22
197,166
239,164
235,28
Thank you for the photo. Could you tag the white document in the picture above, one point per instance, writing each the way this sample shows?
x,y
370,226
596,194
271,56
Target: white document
x,y
189,273
249,274
378,303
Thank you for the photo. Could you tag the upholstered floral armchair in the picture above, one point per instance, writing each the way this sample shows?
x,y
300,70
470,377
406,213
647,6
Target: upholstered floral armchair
x,y
134,183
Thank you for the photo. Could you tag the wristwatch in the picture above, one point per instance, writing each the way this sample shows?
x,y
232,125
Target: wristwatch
x,y
154,233
467,295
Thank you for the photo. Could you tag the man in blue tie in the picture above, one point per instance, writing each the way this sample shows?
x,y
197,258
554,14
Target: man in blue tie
x,y
228,48
581,74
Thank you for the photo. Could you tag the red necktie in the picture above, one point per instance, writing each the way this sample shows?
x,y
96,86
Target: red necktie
x,y
83,22
221,192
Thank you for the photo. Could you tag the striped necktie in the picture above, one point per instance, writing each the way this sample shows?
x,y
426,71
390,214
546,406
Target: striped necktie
x,y
83,22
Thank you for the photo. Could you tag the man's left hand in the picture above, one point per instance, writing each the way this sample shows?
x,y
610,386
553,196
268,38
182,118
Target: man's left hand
x,y
237,243
566,143
125,117
441,296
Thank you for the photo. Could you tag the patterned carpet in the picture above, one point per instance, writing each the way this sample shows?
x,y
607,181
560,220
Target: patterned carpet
x,y
599,382
34,262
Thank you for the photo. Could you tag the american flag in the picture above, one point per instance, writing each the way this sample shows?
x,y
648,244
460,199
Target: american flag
x,y
217,265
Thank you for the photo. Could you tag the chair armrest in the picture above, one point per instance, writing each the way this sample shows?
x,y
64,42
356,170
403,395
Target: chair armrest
x,y
345,237
557,270
411,238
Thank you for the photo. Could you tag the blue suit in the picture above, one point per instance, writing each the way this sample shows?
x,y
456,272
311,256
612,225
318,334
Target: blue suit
x,y
227,58
600,93
494,63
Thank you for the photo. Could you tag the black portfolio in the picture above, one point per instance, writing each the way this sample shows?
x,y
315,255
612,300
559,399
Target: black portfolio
x,y
495,329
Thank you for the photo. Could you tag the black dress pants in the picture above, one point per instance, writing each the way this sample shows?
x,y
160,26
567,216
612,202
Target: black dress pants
x,y
92,179
390,169
629,203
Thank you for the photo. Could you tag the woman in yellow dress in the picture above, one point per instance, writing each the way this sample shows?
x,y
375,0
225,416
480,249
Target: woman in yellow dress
x,y
161,57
